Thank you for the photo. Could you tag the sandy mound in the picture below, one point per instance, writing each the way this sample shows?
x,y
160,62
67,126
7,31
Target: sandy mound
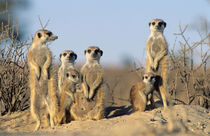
x,y
178,120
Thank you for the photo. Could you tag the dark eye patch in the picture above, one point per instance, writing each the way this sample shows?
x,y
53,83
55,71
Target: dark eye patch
x,y
71,55
160,23
64,54
153,23
67,75
145,77
49,33
89,51
39,35
97,50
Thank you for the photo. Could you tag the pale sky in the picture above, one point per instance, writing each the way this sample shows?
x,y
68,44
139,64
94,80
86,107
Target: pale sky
x,y
119,27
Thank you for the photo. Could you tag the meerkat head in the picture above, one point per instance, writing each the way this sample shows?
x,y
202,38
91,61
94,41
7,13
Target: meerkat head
x,y
68,56
44,36
73,76
157,25
93,53
149,78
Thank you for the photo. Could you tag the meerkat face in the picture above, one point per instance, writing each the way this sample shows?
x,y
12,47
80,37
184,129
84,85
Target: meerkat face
x,y
44,36
73,76
93,53
68,56
149,78
157,25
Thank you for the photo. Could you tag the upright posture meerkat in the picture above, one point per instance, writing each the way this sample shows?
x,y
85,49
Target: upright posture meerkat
x,y
90,103
67,58
39,60
157,55
67,96
139,92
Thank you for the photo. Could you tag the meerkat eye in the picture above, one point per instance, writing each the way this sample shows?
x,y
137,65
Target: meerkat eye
x,y
64,54
39,35
153,23
67,75
97,50
49,33
71,54
89,51
145,77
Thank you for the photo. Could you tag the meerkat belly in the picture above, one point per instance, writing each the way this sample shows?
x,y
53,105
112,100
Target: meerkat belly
x,y
155,47
91,77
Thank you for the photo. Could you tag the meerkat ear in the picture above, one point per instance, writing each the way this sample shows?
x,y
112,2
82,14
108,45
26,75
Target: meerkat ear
x,y
75,55
39,35
143,78
164,23
85,51
149,23
101,52
60,55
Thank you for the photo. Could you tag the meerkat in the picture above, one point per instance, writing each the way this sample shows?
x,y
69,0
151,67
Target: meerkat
x,y
90,103
67,58
140,91
67,96
157,55
39,60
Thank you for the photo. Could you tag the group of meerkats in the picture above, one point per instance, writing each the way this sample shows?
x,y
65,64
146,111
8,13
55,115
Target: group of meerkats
x,y
70,94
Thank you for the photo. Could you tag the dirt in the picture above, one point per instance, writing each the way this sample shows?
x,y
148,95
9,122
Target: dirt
x,y
176,120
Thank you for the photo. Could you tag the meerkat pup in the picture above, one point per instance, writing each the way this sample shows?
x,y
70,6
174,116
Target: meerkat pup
x,y
139,92
90,103
39,60
157,55
67,96
67,58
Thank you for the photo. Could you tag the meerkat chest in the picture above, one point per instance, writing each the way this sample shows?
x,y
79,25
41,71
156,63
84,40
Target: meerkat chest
x,y
40,55
155,45
91,75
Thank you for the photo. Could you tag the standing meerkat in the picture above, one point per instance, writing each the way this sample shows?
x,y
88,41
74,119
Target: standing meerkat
x,y
90,103
67,96
141,91
67,58
39,60
157,55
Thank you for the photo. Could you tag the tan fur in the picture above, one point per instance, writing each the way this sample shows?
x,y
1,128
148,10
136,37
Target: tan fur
x,y
157,55
90,103
140,91
39,60
67,96
67,58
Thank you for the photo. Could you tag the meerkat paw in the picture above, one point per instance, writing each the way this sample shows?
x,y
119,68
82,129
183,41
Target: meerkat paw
x,y
45,75
38,74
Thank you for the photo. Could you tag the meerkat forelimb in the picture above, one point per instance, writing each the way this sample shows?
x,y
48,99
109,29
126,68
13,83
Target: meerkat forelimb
x,y
67,59
92,72
39,61
67,94
157,55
